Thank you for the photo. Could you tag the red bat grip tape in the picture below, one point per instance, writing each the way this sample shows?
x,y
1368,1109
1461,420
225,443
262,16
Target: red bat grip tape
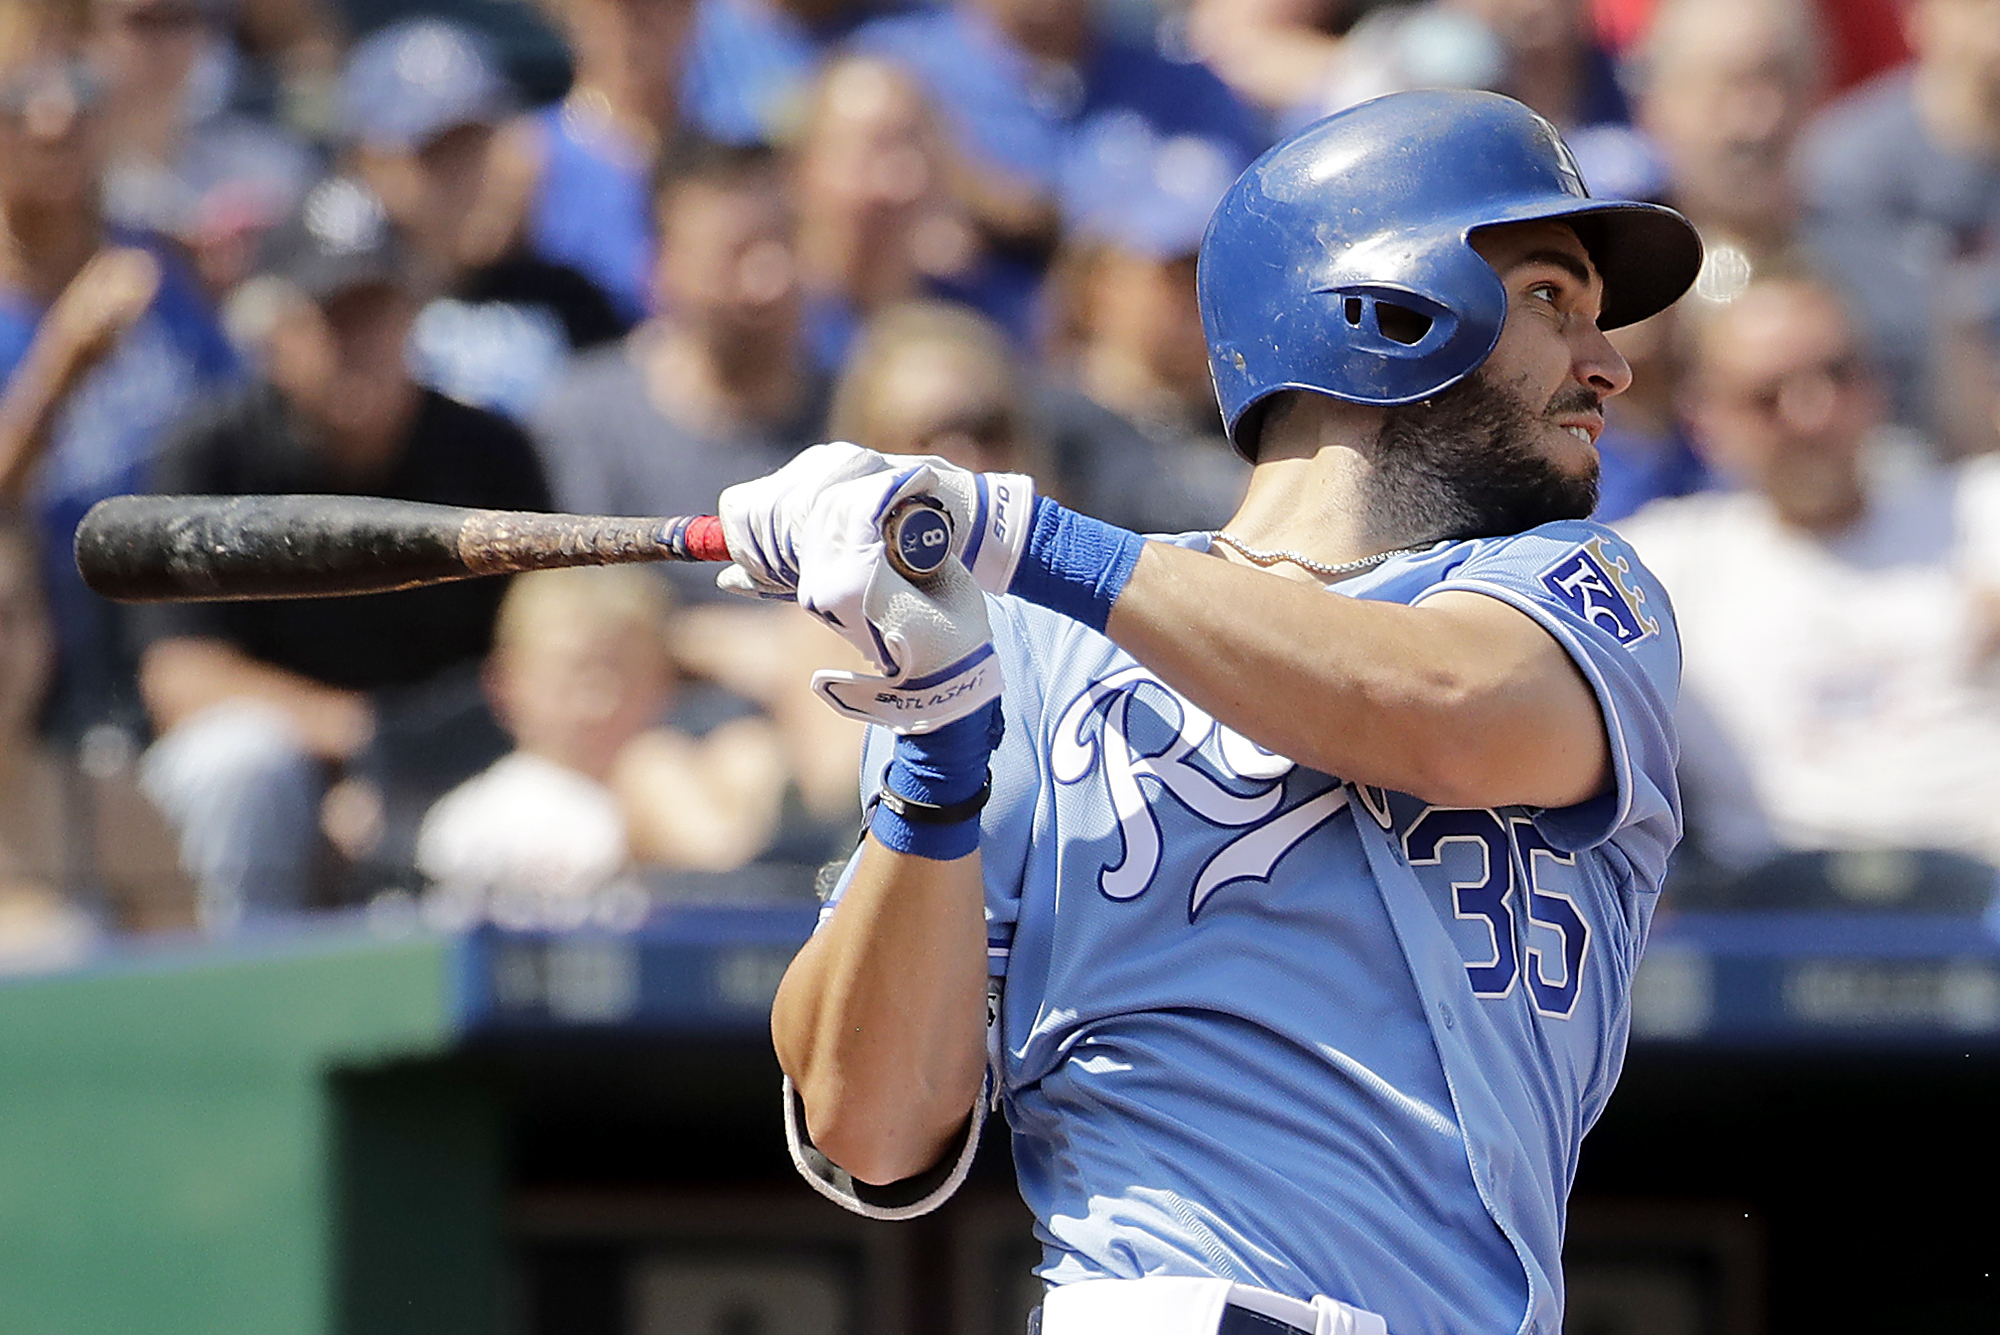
x,y
704,539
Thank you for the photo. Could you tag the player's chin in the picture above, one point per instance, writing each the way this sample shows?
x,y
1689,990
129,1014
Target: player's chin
x,y
1571,455
1568,485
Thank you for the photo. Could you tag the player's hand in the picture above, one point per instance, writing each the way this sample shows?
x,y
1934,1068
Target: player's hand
x,y
761,519
932,645
991,515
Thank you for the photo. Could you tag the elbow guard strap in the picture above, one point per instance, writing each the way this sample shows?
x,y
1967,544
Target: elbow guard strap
x,y
898,1200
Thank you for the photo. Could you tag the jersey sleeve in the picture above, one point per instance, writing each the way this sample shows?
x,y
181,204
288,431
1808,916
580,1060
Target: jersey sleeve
x,y
1585,586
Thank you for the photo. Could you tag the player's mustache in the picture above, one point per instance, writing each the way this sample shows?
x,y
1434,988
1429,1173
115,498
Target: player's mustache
x,y
1575,399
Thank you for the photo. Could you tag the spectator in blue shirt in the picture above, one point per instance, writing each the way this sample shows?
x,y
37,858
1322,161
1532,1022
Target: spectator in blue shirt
x,y
880,219
182,161
1131,394
1020,82
571,181
104,341
750,63
1646,452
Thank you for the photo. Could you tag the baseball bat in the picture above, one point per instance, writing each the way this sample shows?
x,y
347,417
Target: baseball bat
x,y
142,549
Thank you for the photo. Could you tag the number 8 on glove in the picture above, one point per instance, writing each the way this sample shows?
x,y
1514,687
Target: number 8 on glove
x,y
917,537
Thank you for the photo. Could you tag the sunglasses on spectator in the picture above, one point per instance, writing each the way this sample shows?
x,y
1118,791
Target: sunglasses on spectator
x,y
163,20
21,89
1842,372
982,426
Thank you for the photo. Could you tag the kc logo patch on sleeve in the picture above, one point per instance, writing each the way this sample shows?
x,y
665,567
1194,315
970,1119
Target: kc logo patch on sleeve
x,y
1595,583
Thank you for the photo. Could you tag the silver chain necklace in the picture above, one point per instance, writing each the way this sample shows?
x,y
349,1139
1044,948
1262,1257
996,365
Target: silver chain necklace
x,y
1260,557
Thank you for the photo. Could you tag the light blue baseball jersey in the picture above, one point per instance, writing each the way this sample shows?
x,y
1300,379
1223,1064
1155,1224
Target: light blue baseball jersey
x,y
1316,1037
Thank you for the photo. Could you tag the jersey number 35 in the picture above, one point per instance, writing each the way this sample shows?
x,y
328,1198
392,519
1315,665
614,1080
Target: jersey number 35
x,y
1511,856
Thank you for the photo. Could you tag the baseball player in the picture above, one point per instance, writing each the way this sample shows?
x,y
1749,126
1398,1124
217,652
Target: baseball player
x,y
1305,863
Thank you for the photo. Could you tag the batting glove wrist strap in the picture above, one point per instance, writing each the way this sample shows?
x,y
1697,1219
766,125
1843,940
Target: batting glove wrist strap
x,y
914,705
1074,564
936,785
990,515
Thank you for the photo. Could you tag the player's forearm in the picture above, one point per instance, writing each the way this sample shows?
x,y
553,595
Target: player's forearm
x,y
1461,701
880,1021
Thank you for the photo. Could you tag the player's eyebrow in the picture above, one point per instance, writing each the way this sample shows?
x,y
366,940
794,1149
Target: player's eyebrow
x,y
1560,259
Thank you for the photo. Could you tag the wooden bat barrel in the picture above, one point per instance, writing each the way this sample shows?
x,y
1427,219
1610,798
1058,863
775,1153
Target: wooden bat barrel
x,y
231,548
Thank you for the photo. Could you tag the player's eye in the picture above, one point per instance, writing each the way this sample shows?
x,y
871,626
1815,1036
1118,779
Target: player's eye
x,y
1548,292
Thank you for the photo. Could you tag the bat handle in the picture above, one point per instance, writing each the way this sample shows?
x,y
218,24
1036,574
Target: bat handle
x,y
695,538
917,534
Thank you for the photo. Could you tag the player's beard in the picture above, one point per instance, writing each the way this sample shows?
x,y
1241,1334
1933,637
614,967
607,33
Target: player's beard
x,y
1465,465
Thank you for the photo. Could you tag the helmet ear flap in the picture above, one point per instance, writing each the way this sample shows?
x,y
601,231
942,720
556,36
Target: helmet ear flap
x,y
1401,340
1392,321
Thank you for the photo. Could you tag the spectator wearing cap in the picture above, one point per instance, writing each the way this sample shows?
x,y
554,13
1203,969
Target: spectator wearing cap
x,y
715,389
104,339
1137,399
420,103
1901,179
1020,83
879,222
258,705
571,182
181,162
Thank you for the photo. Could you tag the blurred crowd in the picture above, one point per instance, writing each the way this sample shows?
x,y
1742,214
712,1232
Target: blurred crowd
x,y
256,246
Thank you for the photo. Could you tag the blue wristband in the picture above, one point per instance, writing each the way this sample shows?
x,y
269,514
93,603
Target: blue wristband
x,y
943,768
1074,564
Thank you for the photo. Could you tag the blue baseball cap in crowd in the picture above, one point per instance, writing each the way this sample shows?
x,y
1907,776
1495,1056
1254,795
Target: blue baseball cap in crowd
x,y
1127,183
408,83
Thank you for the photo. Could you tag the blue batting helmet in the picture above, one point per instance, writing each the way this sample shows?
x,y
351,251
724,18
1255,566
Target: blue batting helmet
x,y
1341,261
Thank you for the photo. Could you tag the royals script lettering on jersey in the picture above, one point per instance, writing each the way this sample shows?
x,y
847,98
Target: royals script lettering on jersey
x,y
1316,1037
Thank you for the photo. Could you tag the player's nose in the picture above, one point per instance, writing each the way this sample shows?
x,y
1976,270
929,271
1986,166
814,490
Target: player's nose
x,y
1596,363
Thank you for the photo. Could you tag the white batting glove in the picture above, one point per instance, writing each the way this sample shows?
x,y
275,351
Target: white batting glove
x,y
761,518
933,644
991,514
